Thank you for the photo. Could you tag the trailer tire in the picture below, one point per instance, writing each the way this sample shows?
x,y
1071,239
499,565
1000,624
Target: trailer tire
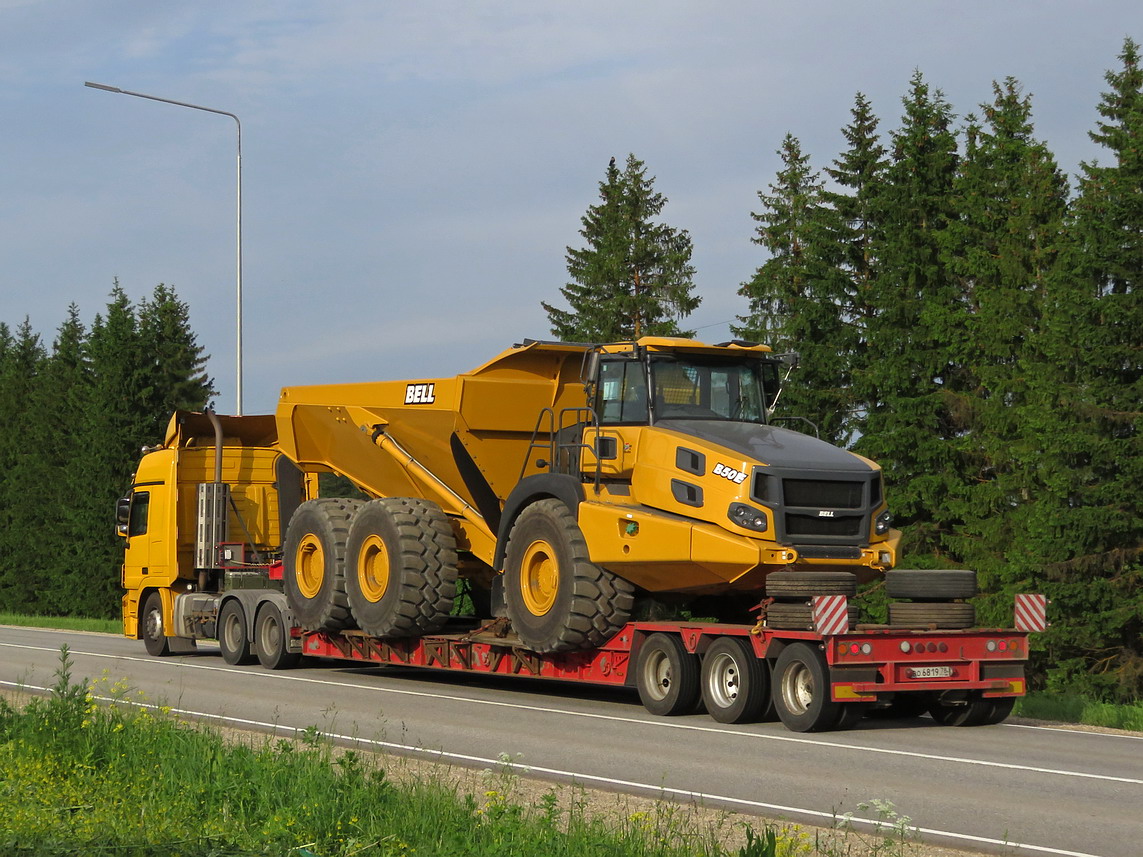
x,y
667,676
232,638
400,560
978,711
801,690
152,626
314,560
805,584
735,681
557,599
937,584
951,615
271,639
800,616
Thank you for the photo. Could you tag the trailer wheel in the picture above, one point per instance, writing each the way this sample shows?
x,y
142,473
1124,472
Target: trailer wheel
x,y
800,617
801,690
558,600
735,681
154,638
314,559
977,711
400,567
232,639
941,614
805,584
667,676
935,584
270,634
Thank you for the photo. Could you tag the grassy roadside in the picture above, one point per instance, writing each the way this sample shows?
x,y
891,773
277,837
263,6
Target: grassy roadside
x,y
1037,706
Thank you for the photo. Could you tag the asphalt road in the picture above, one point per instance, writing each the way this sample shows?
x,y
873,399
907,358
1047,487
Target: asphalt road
x,y
1006,789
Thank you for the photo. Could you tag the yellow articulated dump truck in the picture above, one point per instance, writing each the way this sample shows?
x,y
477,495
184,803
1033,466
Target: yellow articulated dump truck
x,y
630,514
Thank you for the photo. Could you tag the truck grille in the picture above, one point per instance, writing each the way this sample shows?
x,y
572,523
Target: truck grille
x,y
818,512
810,525
824,494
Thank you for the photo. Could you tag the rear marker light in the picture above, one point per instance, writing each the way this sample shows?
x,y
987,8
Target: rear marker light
x,y
905,647
867,648
943,647
990,645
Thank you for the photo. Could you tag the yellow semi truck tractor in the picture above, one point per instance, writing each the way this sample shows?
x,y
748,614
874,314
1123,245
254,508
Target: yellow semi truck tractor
x,y
631,513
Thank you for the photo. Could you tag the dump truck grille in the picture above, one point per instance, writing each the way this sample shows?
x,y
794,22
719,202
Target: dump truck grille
x,y
824,494
818,512
809,525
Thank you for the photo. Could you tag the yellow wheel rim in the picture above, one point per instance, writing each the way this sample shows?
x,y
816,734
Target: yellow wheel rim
x,y
309,565
373,568
539,578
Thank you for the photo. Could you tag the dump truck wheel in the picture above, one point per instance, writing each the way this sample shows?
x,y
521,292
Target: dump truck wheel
x,y
735,681
952,615
667,676
232,639
978,711
558,600
803,584
314,559
400,567
799,617
801,690
270,634
935,584
151,624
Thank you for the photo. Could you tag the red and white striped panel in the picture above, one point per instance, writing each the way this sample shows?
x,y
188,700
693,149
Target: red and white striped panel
x,y
831,614
1031,612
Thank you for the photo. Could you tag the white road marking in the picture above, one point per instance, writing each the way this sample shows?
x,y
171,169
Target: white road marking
x,y
577,777
660,723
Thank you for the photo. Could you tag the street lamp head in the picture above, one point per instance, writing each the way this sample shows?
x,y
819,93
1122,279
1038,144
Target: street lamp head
x,y
102,86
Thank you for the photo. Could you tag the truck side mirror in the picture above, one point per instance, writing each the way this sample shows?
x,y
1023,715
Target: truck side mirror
x,y
590,371
122,514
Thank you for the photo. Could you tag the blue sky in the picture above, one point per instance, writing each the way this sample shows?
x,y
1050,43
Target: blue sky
x,y
413,171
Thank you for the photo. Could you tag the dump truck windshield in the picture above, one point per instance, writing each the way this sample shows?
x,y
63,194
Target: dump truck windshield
x,y
700,388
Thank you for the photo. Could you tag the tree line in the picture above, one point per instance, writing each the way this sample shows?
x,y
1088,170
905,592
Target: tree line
x,y
73,416
965,318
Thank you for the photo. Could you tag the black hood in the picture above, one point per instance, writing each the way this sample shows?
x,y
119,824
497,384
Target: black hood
x,y
770,445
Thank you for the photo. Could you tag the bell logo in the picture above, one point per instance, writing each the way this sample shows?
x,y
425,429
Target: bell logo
x,y
420,394
825,513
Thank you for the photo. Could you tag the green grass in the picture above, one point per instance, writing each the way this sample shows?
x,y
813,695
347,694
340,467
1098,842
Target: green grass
x,y
1076,709
65,623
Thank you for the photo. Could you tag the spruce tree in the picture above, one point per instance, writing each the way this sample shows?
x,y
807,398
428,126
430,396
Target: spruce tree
x,y
634,276
798,300
911,377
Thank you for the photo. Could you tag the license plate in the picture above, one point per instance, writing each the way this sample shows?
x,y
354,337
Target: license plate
x,y
930,672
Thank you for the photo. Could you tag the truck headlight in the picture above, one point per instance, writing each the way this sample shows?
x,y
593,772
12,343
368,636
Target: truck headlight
x,y
883,522
748,517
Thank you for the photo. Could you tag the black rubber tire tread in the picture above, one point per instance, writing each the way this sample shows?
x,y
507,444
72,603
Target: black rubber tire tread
x,y
903,706
151,626
800,616
273,653
232,639
849,714
329,520
818,713
745,703
591,604
950,615
978,711
421,547
677,690
804,584
936,584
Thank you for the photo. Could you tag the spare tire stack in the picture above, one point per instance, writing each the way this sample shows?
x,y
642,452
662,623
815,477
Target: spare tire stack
x,y
932,597
793,592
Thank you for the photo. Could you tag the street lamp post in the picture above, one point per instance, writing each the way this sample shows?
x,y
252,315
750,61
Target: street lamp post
x,y
106,88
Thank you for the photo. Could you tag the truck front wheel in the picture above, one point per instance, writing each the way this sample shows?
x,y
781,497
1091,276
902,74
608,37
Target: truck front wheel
x,y
558,600
314,559
151,622
401,567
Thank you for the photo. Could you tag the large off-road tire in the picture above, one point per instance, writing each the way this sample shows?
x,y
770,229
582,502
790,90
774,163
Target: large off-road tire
x,y
557,599
951,615
800,616
667,676
977,711
400,567
735,681
801,690
935,584
151,626
314,559
232,638
271,639
805,584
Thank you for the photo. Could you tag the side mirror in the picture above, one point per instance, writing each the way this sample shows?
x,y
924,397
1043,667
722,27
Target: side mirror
x,y
122,514
590,372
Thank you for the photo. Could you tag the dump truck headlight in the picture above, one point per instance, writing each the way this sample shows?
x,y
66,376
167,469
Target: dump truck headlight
x,y
748,517
883,522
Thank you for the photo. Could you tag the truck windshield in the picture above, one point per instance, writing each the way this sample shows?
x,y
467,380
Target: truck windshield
x,y
698,388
